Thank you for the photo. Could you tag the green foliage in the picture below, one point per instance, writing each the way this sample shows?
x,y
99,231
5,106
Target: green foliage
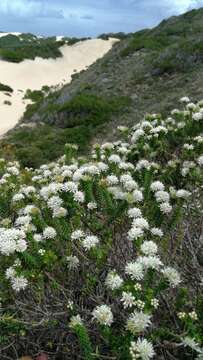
x,y
5,88
36,146
118,35
7,102
89,109
15,50
84,341
84,115
34,95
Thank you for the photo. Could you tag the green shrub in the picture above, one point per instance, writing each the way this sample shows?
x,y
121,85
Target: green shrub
x,y
5,88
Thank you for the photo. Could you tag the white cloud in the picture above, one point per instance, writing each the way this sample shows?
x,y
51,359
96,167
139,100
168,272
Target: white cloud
x,y
25,8
181,6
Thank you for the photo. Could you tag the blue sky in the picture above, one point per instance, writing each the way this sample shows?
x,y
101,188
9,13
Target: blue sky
x,y
87,17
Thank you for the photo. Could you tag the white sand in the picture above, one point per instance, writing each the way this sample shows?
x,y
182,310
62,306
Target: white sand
x,y
11,33
33,74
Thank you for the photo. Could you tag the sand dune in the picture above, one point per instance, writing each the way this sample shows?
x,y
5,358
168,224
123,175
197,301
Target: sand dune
x,y
33,74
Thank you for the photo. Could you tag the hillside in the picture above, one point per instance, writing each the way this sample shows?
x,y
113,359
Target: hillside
x,y
149,69
42,75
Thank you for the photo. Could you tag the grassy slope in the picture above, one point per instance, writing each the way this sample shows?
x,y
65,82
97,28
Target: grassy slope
x,y
150,69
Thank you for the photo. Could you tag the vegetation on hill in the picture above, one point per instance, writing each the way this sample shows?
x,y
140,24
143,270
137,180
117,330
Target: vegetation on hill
x,y
83,117
28,46
150,68
101,256
118,35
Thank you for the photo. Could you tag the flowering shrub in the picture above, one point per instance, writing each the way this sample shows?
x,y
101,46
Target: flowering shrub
x,y
99,256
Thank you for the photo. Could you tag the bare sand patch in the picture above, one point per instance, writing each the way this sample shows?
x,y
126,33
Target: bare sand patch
x,y
33,74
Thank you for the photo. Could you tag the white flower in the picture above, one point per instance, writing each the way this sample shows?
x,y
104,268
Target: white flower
x,y
191,106
143,164
113,281
21,245
41,251
134,212
137,195
37,237
152,262
130,185
13,170
162,196
165,208
49,233
137,322
137,134
125,178
135,270
23,220
77,234
115,159
103,315
142,349
107,146
184,194
134,233
127,299
112,180
155,303
157,232
79,196
19,283
200,160
92,205
73,261
75,321
188,341
185,99
172,276
90,241
149,248
157,186
69,186
193,315
188,146
197,116
54,202
10,273
11,241
141,223
59,212
18,197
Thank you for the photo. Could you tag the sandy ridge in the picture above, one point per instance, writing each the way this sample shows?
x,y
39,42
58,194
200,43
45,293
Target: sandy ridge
x,y
33,74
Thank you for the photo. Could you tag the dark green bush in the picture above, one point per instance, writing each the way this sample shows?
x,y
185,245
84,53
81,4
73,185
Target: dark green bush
x,y
85,113
5,88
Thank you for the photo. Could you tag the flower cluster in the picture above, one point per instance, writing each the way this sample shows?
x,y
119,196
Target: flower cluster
x,y
99,229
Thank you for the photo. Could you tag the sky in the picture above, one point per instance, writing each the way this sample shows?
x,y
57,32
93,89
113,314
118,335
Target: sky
x,y
87,17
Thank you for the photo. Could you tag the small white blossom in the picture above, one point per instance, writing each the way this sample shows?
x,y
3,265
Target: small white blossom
x,y
142,349
172,276
135,270
113,281
90,241
149,248
127,299
49,233
137,322
103,315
